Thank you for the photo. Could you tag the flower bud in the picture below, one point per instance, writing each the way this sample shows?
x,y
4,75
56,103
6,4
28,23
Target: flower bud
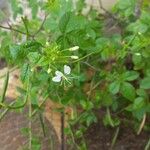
x,y
74,57
49,70
75,48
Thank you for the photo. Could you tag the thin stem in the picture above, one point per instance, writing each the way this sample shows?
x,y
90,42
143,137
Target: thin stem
x,y
109,117
30,125
5,111
15,107
73,139
12,29
115,137
29,115
84,57
5,88
147,145
142,124
41,26
25,21
41,104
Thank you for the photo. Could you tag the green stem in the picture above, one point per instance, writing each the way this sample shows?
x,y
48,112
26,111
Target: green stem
x,y
30,125
147,147
109,117
5,88
15,107
115,138
84,57
42,103
5,112
25,21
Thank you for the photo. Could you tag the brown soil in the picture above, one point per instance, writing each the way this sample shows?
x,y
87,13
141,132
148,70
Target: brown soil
x,y
2,63
99,137
11,137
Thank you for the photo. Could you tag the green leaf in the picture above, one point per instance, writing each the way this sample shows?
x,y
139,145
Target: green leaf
x,y
145,83
128,91
87,105
64,21
33,57
138,103
25,72
131,75
114,87
15,51
142,93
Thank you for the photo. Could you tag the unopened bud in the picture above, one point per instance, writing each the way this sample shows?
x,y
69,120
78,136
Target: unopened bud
x,y
75,48
74,57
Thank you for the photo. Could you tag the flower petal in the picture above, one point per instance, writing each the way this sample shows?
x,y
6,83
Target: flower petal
x,y
56,79
67,69
58,73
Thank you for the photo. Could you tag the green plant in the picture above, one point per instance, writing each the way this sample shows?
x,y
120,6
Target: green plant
x,y
54,58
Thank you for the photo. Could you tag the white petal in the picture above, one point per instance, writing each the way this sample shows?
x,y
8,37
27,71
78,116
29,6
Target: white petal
x,y
56,79
59,74
67,69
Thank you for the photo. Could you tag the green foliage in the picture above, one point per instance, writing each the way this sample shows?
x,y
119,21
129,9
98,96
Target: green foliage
x,y
120,78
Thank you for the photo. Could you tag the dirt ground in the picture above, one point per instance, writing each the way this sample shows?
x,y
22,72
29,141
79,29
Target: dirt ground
x,y
99,137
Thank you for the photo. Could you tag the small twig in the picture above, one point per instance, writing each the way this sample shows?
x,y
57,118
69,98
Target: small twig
x,y
12,29
115,137
142,124
41,26
86,63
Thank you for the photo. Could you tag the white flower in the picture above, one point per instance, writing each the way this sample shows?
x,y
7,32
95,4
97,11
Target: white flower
x,y
59,75
75,48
